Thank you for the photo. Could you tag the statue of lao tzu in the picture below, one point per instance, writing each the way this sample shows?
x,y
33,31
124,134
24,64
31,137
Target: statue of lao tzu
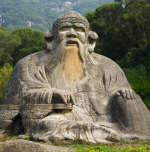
x,y
68,92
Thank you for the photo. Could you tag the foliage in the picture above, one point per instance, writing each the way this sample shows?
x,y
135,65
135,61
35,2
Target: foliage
x,y
6,137
32,41
139,83
124,36
14,46
124,29
5,72
8,44
15,14
145,148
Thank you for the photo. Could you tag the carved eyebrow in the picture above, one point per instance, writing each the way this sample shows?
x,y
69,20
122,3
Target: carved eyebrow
x,y
81,29
79,25
65,24
63,28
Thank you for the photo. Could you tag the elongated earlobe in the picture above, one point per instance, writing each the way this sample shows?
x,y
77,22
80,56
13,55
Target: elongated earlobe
x,y
49,38
92,37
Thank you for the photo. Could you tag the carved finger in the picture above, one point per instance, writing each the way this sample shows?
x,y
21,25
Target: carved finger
x,y
123,93
134,95
118,93
128,94
68,98
31,97
44,97
69,91
65,99
131,94
41,97
47,95
38,98
26,97
73,99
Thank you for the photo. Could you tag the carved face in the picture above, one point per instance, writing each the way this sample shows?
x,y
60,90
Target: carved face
x,y
71,29
72,34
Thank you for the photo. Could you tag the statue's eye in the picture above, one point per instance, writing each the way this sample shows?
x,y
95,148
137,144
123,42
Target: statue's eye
x,y
79,29
65,28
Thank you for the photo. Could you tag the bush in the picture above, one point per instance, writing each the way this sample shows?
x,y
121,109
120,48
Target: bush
x,y
139,83
5,72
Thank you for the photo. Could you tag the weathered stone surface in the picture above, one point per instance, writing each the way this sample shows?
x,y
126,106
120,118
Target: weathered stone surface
x,y
28,146
39,111
7,113
97,102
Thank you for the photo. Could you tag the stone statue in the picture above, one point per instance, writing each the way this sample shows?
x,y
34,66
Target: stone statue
x,y
68,92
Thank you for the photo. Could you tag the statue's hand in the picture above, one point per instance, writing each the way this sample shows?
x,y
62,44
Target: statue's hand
x,y
66,95
126,93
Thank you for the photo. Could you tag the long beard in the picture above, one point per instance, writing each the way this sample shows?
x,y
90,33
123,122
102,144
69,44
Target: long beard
x,y
66,66
73,64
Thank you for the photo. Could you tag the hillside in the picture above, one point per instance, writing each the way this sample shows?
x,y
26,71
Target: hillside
x,y
39,14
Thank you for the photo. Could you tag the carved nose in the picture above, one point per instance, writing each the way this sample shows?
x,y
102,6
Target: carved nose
x,y
72,33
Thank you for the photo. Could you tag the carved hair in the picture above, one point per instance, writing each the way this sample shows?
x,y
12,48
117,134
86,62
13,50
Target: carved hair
x,y
71,17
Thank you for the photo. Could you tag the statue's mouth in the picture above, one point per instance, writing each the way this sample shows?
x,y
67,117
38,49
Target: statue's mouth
x,y
72,43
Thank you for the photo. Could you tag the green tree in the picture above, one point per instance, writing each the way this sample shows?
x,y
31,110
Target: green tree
x,y
124,36
8,44
32,41
120,30
140,84
5,72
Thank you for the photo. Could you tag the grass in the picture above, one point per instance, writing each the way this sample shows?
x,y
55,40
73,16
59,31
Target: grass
x,y
80,146
6,137
109,149
114,148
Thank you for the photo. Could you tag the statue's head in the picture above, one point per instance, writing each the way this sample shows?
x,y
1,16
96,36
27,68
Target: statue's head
x,y
71,29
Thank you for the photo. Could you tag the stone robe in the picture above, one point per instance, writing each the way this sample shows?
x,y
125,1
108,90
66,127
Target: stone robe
x,y
96,115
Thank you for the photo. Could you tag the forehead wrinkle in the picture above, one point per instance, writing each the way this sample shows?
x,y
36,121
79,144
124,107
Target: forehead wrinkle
x,y
79,25
69,24
65,24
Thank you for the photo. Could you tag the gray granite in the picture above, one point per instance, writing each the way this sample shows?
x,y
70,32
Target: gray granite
x,y
28,146
69,92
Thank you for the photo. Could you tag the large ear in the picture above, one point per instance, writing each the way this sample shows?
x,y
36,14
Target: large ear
x,y
49,38
92,37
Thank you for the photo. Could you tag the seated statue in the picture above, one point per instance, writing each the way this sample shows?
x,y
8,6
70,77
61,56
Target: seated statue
x,y
68,92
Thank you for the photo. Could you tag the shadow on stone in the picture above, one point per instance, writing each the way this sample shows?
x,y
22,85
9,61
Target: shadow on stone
x,y
16,127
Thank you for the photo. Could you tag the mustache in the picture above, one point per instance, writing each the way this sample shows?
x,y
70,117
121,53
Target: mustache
x,y
71,41
75,41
